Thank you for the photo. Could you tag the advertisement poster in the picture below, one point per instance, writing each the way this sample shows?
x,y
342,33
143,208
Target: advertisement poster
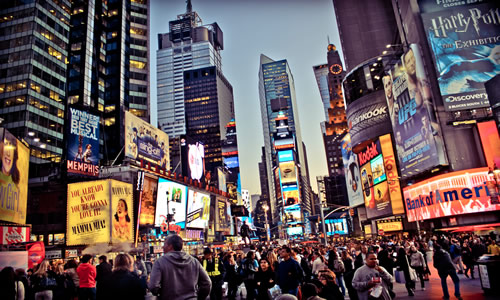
x,y
295,230
173,196
490,141
83,143
389,225
198,209
13,178
419,143
288,173
122,206
451,194
464,41
352,175
223,218
88,213
334,226
391,172
36,253
14,259
292,215
14,234
148,201
290,195
145,142
284,156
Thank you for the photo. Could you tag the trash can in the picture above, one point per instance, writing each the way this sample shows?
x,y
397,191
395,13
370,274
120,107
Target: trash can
x,y
488,273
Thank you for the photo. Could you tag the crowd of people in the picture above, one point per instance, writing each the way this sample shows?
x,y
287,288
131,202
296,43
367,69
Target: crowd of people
x,y
357,269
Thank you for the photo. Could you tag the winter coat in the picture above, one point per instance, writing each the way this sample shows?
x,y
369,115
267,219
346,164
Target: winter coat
x,y
179,276
289,274
442,262
331,291
262,280
123,285
417,259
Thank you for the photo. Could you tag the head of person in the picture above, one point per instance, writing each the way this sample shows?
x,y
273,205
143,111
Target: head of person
x,y
124,262
264,264
388,88
309,290
326,276
413,249
495,55
364,249
7,283
9,158
371,260
122,210
173,242
71,264
251,255
410,64
102,259
345,254
86,259
42,268
285,252
207,253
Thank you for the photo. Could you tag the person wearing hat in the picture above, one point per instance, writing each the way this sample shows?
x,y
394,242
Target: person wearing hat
x,y
216,271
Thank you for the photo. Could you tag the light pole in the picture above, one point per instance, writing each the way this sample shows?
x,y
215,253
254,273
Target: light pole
x,y
266,208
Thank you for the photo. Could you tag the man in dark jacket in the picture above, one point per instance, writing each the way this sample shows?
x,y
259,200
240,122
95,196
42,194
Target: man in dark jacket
x,y
216,271
445,267
104,270
177,275
361,257
289,275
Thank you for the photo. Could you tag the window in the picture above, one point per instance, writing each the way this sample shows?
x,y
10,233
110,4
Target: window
x,y
55,53
137,64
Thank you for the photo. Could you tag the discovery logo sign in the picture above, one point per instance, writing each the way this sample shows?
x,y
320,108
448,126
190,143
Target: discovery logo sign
x,y
466,101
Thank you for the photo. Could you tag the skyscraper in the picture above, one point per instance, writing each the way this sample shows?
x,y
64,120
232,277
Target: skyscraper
x,y
284,152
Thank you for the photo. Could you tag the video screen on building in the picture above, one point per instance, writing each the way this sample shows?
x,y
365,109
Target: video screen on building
x,y
292,214
378,171
334,226
284,156
288,173
176,195
193,158
198,209
231,162
148,201
295,230
290,195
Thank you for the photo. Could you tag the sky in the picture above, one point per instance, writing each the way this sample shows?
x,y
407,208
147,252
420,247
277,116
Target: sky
x,y
295,30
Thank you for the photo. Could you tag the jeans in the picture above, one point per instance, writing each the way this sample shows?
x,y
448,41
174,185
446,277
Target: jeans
x,y
457,261
420,273
44,295
340,282
86,293
444,285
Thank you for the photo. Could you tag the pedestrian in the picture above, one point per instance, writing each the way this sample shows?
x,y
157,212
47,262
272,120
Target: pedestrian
x,y
123,283
249,267
290,274
404,266
104,270
417,262
216,272
272,258
11,288
23,277
337,266
43,282
349,274
359,261
371,279
493,248
329,289
264,279
232,277
318,264
445,267
456,255
245,233
140,268
86,273
178,275
70,270
468,260
65,286
310,292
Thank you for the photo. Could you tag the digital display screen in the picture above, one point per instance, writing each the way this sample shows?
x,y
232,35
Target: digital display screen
x,y
334,226
378,171
292,214
177,197
231,162
284,156
198,209
295,230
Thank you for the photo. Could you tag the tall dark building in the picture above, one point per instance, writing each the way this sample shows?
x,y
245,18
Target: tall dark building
x,y
264,184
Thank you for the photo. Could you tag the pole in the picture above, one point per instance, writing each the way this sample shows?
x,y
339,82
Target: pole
x,y
267,227
323,222
168,216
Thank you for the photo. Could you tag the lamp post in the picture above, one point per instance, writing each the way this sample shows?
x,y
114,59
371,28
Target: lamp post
x,y
266,208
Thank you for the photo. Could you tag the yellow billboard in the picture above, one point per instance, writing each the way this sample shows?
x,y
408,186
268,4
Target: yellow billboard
x,y
14,165
288,172
145,142
122,214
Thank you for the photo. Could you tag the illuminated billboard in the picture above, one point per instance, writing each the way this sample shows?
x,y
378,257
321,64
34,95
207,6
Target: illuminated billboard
x,y
290,195
198,209
295,230
176,196
378,171
392,174
148,201
231,162
334,226
292,215
193,159
223,220
451,194
83,143
277,182
13,178
419,142
389,225
288,173
463,40
351,169
490,141
122,211
14,234
145,142
284,156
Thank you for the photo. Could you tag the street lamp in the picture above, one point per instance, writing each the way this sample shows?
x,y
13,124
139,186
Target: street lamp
x,y
265,207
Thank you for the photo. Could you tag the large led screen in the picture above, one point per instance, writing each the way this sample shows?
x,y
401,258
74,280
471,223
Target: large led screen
x,y
490,141
284,156
198,209
378,171
148,201
292,215
223,220
295,230
463,38
177,199
193,159
231,162
13,178
83,143
450,194
334,226
290,195
351,169
288,173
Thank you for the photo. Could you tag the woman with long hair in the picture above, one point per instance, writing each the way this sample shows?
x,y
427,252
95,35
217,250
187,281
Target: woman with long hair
x,y
121,221
231,276
264,279
43,282
417,262
329,288
250,268
349,274
11,288
272,258
123,283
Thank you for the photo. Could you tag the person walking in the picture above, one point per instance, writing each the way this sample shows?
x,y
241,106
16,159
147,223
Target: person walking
x,y
122,283
445,267
456,255
86,273
264,279
216,272
417,262
318,263
11,288
178,275
70,270
404,266
245,233
493,248
468,260
349,274
249,267
43,282
361,257
104,270
371,276
232,277
336,265
289,275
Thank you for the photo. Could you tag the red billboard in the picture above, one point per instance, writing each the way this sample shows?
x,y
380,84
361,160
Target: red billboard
x,y
451,194
491,142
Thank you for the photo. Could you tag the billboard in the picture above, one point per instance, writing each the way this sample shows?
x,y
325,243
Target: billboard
x,y
122,212
419,142
290,195
450,194
388,225
145,142
14,234
292,215
277,182
351,169
491,142
391,172
463,38
223,221
198,209
193,159
284,156
288,173
148,201
176,196
231,162
83,143
334,226
13,178
295,230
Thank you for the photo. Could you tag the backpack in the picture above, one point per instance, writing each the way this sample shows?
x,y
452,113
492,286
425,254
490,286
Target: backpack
x,y
338,266
246,271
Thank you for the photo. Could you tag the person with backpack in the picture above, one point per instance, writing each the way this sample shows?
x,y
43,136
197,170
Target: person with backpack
x,y
43,282
232,277
456,255
337,266
249,267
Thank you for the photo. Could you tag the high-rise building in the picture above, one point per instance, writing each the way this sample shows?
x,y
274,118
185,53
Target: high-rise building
x,y
284,152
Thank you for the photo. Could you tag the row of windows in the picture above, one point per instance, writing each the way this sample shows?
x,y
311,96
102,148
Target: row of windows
x,y
16,15
15,71
49,64
53,24
12,86
48,78
138,20
16,42
10,58
50,36
18,28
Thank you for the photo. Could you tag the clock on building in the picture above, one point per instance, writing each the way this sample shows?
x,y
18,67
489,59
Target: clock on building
x,y
335,69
